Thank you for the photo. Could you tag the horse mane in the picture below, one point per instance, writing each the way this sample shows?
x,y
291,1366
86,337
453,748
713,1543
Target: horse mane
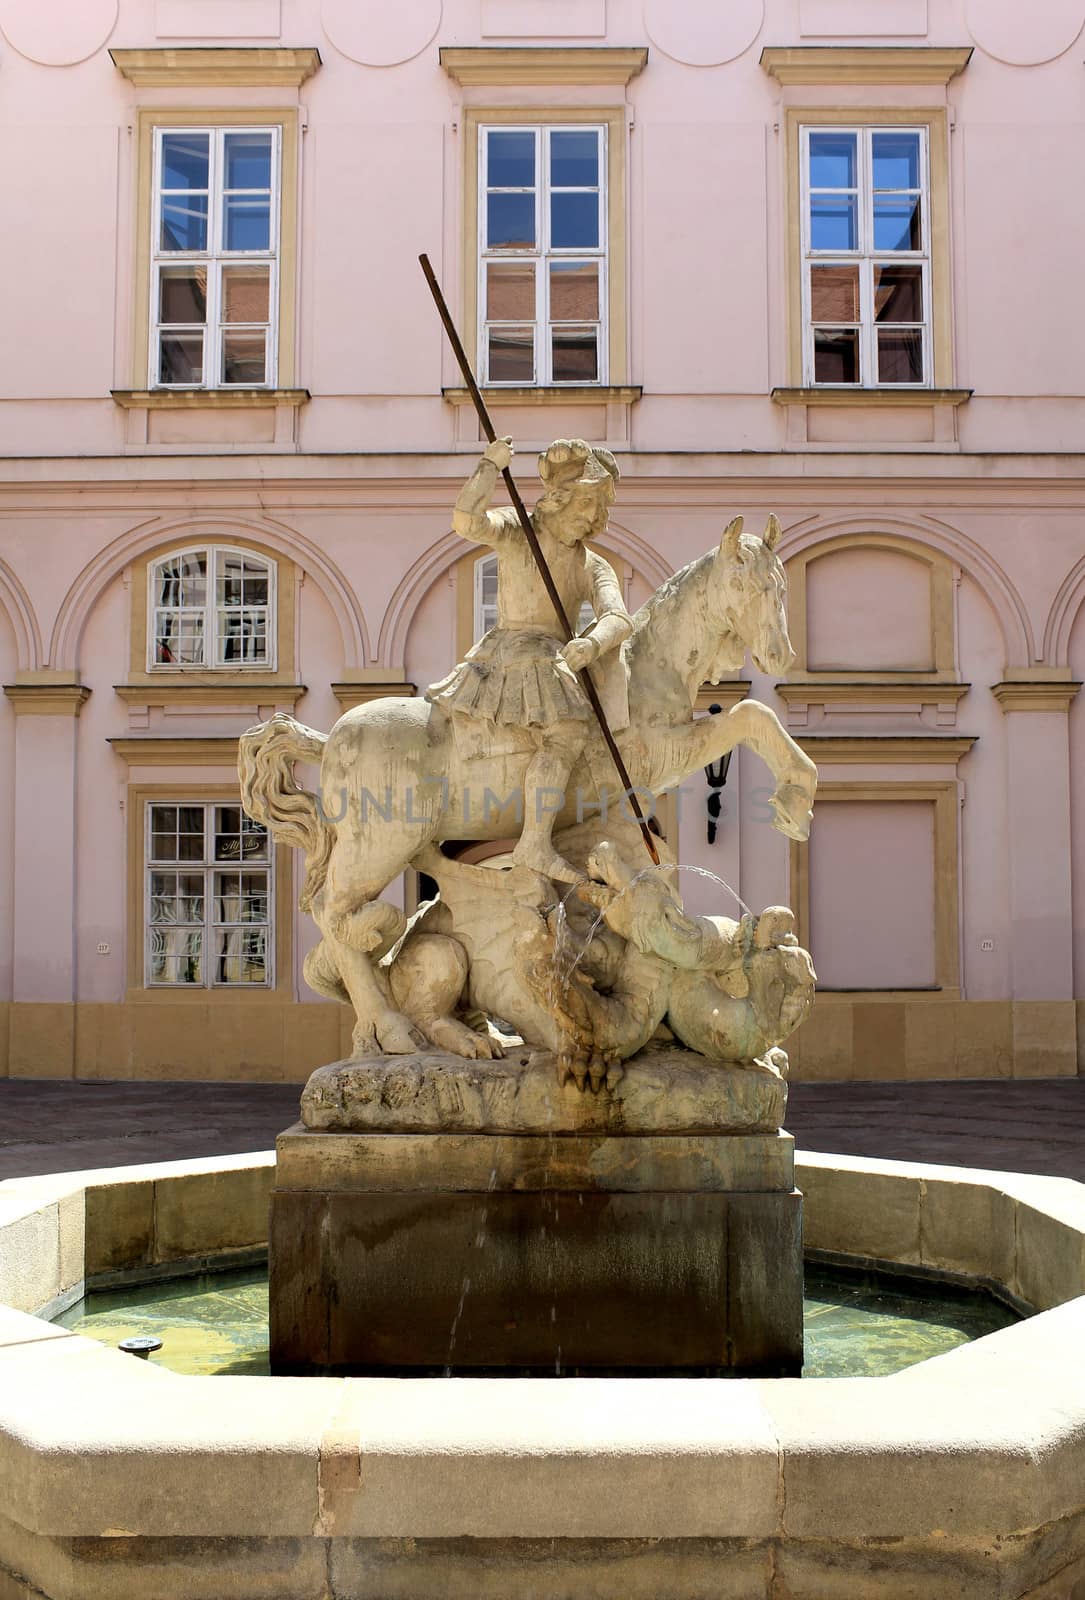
x,y
679,603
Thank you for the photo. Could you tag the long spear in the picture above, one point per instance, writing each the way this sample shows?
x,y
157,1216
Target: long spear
x,y
540,560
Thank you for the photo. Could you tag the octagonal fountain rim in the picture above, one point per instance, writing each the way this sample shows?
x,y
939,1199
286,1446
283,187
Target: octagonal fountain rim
x,y
95,1445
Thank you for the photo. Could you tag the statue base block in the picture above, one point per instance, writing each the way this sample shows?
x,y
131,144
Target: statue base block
x,y
415,1253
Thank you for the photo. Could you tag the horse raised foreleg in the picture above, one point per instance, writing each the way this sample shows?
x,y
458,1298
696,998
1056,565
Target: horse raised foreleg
x,y
760,730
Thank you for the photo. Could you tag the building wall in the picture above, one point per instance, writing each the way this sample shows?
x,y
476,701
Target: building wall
x,y
934,543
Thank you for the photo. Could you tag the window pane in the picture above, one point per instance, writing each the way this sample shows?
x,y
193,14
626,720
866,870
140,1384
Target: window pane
x,y
182,294
241,955
185,160
834,294
176,898
836,355
510,291
245,294
184,224
163,833
178,638
190,836
510,160
246,224
510,221
241,897
897,223
832,161
574,291
575,355
248,161
241,580
833,223
574,221
900,355
896,160
242,637
574,160
176,956
511,355
898,294
182,580
486,596
237,836
244,357
180,358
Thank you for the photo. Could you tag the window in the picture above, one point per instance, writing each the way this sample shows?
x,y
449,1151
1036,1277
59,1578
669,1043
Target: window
x,y
212,607
866,286
542,254
486,600
209,897
214,250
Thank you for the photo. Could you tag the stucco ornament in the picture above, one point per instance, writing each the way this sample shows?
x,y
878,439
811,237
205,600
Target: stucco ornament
x,y
577,944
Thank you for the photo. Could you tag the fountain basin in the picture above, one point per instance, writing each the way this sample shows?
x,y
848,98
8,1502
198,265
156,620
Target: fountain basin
x,y
856,1323
960,1475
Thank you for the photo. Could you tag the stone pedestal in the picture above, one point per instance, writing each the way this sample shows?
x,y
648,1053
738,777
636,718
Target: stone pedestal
x,y
574,1250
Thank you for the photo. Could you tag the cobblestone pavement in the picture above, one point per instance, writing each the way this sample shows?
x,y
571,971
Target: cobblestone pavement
x,y
59,1126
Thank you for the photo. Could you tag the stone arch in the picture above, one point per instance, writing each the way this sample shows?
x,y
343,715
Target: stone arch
x,y
24,623
157,536
435,562
1063,615
929,535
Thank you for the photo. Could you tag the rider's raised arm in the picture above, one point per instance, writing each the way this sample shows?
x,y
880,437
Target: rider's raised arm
x,y
612,621
470,518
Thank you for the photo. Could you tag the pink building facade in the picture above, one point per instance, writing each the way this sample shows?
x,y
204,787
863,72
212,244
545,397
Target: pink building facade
x,y
773,260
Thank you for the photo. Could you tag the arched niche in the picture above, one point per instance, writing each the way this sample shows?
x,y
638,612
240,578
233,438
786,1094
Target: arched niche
x,y
872,607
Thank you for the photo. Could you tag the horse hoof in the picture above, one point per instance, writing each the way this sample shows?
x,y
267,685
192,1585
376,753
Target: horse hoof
x,y
792,814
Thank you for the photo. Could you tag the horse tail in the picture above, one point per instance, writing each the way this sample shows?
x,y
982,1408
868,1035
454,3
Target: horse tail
x,y
270,793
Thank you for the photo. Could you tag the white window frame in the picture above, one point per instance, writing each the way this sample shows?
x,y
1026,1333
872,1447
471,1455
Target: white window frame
x,y
866,256
543,254
210,629
215,257
483,565
208,867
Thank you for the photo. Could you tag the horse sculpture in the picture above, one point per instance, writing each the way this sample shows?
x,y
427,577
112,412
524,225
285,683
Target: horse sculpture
x,y
396,776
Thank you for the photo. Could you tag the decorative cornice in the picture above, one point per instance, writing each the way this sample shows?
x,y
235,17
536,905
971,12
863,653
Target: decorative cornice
x,y
360,694
907,691
230,66
236,690
47,699
1035,696
514,65
874,64
150,752
726,695
202,399
871,397
550,395
902,749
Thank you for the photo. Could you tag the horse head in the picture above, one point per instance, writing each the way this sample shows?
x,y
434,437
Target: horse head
x,y
747,595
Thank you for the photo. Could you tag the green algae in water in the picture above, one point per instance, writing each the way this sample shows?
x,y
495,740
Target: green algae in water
x,y
214,1323
856,1324
869,1325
